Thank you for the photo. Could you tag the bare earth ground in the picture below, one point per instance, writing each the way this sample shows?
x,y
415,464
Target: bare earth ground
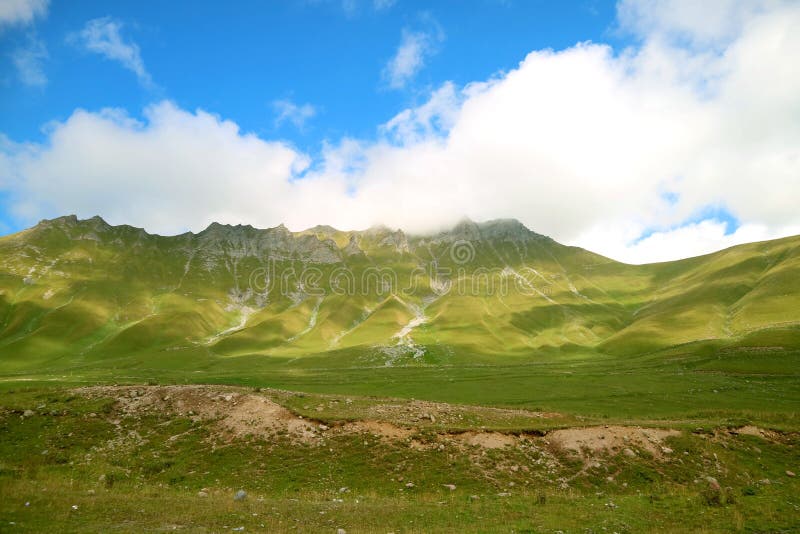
x,y
240,413
154,458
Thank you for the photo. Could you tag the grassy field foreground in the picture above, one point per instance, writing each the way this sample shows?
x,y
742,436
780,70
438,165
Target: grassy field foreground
x,y
163,458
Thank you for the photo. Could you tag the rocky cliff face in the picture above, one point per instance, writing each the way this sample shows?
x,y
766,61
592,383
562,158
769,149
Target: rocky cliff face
x,y
315,245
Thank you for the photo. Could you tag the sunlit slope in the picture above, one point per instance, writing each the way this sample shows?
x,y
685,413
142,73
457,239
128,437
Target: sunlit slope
x,y
76,292
724,295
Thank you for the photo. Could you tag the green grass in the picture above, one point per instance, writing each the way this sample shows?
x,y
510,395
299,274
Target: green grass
x,y
711,342
133,477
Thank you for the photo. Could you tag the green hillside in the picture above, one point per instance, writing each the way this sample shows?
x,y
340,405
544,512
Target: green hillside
x,y
378,381
84,293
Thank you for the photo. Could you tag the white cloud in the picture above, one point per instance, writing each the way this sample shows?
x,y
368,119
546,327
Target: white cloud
x,y
695,239
415,47
21,11
102,36
28,62
288,111
703,24
173,170
437,115
590,146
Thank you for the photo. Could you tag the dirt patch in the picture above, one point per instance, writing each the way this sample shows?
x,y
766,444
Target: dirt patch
x,y
612,439
379,429
443,414
239,413
487,440
236,413
751,430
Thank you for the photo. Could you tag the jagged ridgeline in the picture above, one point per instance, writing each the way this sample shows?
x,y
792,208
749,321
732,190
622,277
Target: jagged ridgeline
x,y
79,291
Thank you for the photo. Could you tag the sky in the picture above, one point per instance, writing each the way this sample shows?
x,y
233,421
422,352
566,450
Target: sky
x,y
644,130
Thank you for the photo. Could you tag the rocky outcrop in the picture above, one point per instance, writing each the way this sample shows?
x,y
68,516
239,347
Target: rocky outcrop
x,y
315,245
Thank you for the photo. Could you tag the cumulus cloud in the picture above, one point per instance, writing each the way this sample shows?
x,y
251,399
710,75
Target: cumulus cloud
x,y
415,47
621,152
699,24
288,111
172,170
21,12
28,61
437,115
103,36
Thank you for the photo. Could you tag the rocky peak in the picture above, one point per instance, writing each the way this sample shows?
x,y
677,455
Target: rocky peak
x,y
352,248
464,230
65,221
76,228
505,230
497,229
322,230
396,239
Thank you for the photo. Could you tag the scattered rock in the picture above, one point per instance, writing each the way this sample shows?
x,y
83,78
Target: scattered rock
x,y
409,484
240,495
341,531
504,494
790,473
28,413
591,440
344,489
451,487
628,452
202,494
473,497
713,484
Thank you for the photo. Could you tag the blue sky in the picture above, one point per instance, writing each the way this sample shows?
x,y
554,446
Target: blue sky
x,y
641,129
238,60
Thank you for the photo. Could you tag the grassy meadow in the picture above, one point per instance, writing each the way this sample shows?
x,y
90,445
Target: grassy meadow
x,y
472,396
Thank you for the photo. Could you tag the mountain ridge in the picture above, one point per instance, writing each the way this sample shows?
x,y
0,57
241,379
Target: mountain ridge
x,y
464,228
82,291
477,230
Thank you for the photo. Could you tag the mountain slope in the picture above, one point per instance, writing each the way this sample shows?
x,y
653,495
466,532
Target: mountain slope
x,y
82,292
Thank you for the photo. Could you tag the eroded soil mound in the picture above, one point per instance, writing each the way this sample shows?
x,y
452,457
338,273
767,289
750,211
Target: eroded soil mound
x,y
613,439
239,413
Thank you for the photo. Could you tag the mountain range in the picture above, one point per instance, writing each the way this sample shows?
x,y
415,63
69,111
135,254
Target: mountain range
x,y
78,293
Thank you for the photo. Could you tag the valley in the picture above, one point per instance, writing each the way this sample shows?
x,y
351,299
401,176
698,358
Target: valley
x,y
375,380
